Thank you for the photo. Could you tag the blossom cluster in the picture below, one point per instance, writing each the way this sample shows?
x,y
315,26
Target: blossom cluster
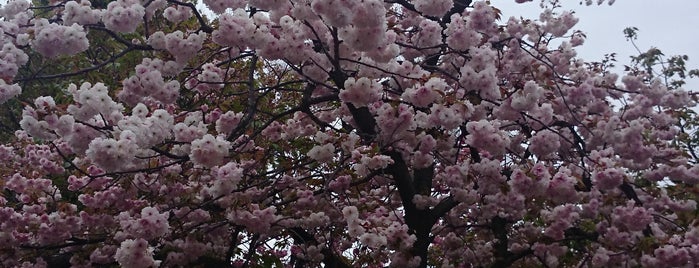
x,y
147,130
10,59
209,151
319,132
236,30
486,135
149,84
183,48
52,40
93,100
111,154
80,13
210,78
8,91
226,178
135,253
360,92
459,35
177,13
148,225
424,95
363,28
123,15
433,8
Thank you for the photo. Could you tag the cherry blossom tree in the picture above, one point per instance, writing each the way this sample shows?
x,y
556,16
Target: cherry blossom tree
x,y
339,133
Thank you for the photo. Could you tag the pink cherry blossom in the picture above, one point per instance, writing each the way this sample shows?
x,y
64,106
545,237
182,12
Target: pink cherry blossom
x,y
123,15
360,92
336,133
209,150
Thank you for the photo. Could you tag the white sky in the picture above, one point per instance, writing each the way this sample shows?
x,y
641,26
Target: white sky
x,y
670,25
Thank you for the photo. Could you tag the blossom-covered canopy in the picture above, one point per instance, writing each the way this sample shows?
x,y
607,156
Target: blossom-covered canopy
x,y
341,133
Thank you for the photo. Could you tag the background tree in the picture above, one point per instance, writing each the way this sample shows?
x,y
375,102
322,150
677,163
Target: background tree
x,y
343,133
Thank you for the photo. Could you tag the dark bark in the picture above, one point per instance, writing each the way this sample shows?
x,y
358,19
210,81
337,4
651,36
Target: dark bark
x,y
330,259
419,221
503,257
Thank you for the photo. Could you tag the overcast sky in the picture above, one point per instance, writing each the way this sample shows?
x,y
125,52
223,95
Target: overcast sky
x,y
670,25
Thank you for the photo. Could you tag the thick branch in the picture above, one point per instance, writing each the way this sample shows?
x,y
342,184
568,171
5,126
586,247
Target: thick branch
x,y
330,259
203,26
443,207
419,221
252,102
503,257
423,180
